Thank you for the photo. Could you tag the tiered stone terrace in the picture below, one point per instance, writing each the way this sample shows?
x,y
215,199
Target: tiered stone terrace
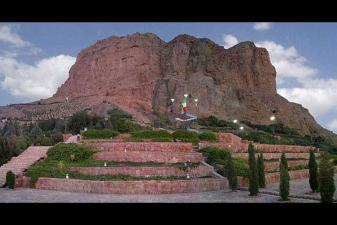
x,y
198,178
297,155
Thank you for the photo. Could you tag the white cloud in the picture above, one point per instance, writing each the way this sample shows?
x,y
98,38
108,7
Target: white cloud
x,y
332,125
34,81
262,26
287,61
229,40
314,93
7,35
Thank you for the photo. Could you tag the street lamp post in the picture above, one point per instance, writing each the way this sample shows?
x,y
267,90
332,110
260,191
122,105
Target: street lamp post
x,y
273,118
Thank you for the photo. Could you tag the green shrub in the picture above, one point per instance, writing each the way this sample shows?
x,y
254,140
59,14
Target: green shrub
x,y
253,175
284,178
45,168
313,172
99,134
56,137
186,136
149,134
231,174
10,179
326,173
43,141
134,139
63,152
207,136
221,157
261,171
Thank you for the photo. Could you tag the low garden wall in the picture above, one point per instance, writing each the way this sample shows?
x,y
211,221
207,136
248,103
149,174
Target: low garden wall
x,y
148,156
132,187
275,177
291,163
277,155
236,144
198,171
142,146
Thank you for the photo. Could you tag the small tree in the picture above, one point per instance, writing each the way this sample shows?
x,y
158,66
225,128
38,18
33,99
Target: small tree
x,y
10,179
261,171
253,176
284,178
313,172
326,181
231,174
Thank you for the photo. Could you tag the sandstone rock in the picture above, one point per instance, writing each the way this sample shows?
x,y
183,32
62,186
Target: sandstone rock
x,y
140,73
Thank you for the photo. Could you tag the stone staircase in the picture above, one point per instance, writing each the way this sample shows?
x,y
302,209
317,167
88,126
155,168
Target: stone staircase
x,y
22,162
156,161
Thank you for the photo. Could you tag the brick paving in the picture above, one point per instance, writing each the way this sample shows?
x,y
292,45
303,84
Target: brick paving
x,y
22,162
34,195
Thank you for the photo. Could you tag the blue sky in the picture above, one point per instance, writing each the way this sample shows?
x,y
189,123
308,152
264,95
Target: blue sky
x,y
35,57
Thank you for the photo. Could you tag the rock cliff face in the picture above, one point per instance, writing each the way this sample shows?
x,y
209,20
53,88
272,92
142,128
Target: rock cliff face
x,y
140,73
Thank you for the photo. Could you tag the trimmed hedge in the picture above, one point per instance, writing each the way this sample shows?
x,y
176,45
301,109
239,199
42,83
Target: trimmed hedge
x,y
10,179
99,134
65,152
151,134
207,136
221,156
186,136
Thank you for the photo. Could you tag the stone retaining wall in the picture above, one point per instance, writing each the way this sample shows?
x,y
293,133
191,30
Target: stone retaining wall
x,y
277,155
292,163
275,177
198,171
236,144
142,146
148,156
133,187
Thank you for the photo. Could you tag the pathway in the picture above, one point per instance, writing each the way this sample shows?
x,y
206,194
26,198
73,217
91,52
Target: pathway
x,y
72,139
227,196
22,162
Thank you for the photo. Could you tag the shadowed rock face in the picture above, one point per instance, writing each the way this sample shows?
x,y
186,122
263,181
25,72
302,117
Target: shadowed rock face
x,y
140,73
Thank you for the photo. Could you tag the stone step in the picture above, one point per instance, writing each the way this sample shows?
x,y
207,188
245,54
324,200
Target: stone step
x,y
291,163
22,162
133,187
277,155
142,171
141,146
148,156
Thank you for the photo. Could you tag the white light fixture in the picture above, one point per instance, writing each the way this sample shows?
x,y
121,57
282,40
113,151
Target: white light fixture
x,y
241,128
185,95
172,100
235,121
196,100
272,118
67,176
105,164
188,176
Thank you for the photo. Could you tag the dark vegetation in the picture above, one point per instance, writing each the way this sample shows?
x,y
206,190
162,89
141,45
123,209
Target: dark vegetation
x,y
253,173
62,156
219,158
10,180
267,134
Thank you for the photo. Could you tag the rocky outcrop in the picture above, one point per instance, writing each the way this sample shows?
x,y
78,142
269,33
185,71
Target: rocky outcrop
x,y
140,73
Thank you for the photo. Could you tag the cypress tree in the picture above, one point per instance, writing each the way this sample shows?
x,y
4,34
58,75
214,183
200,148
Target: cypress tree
x,y
231,174
284,178
261,171
253,176
313,172
326,181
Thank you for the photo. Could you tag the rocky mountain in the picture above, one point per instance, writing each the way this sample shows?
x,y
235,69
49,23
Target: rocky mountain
x,y
140,73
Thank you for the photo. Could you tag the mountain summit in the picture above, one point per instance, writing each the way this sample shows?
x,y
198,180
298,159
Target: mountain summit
x,y
140,73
